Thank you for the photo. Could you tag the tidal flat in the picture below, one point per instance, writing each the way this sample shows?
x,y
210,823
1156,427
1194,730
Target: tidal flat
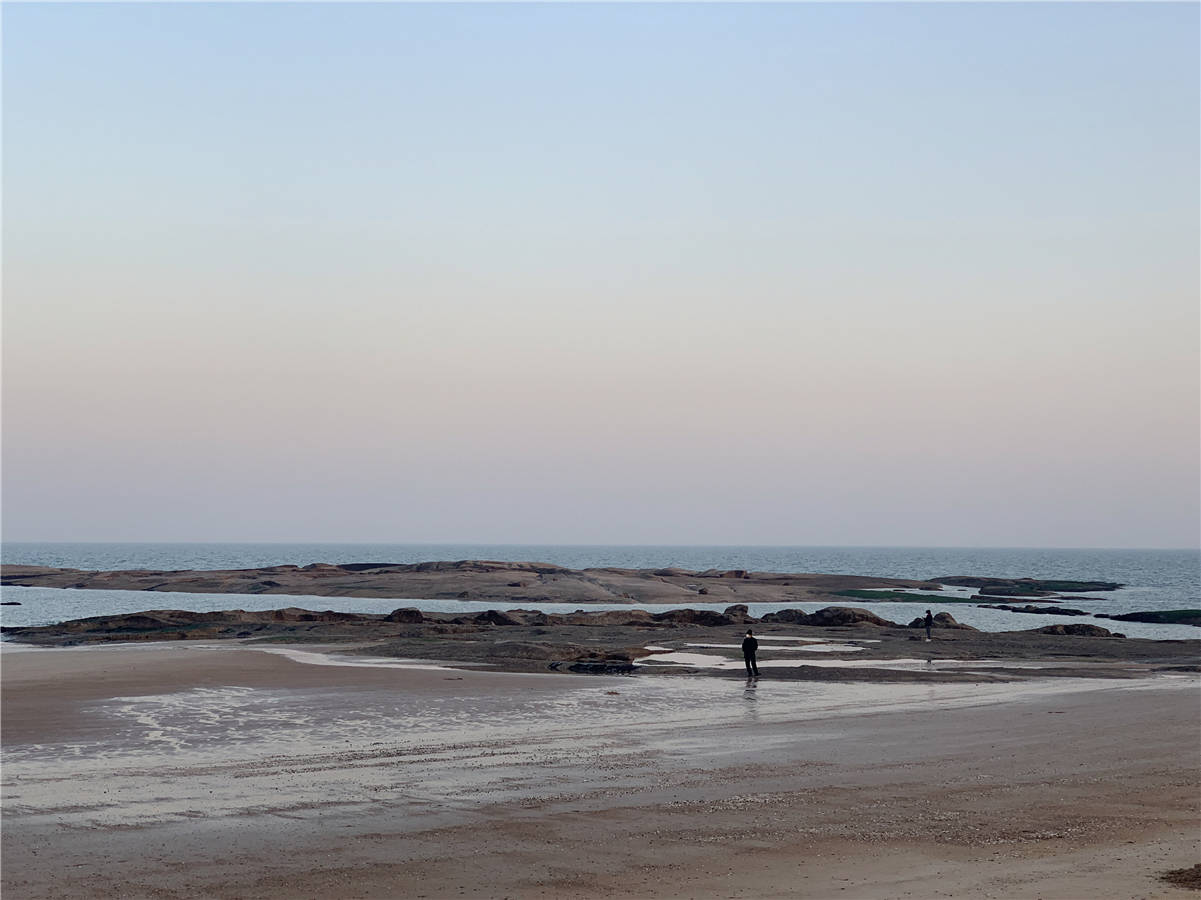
x,y
620,752
234,769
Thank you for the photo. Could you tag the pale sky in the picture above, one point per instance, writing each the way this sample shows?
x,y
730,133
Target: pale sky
x,y
912,274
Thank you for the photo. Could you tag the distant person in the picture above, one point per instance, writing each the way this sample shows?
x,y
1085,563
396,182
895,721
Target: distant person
x,y
929,625
749,648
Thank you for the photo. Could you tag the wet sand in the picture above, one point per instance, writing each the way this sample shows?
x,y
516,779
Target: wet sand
x,y
220,770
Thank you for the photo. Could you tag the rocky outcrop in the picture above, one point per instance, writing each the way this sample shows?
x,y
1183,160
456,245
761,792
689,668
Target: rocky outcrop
x,y
184,624
507,583
1189,878
1160,617
578,642
787,617
1040,610
1018,587
830,616
601,667
941,620
1049,599
693,617
1076,628
496,617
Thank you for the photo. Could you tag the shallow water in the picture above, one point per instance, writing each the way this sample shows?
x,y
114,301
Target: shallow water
x,y
227,753
1154,579
762,646
204,721
313,658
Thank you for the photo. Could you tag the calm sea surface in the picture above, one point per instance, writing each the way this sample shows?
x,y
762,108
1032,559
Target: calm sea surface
x,y
1154,579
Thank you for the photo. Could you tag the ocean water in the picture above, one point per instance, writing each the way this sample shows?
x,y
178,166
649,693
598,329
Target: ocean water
x,y
1153,579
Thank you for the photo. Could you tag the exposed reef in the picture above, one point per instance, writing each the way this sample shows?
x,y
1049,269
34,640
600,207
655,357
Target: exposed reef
x,y
493,582
1026,587
1159,617
532,582
627,641
1038,610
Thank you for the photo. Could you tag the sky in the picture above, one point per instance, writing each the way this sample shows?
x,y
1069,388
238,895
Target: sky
x,y
791,274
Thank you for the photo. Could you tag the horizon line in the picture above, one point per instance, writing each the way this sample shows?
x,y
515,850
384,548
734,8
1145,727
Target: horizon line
x,y
607,545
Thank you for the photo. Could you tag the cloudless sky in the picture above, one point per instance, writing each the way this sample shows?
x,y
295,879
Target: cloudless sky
x,y
919,274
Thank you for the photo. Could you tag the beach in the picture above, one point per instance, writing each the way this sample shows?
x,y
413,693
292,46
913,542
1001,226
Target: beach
x,y
225,770
564,451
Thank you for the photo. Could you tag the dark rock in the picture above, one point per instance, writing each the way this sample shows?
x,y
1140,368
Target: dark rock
x,y
705,617
787,617
1040,610
1184,878
846,615
1026,585
601,667
496,617
738,614
407,615
1050,601
942,620
831,615
10,603
483,565
1163,617
1077,628
1000,590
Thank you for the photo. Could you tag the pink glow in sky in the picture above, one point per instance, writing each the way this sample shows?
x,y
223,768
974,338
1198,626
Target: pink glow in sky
x,y
765,274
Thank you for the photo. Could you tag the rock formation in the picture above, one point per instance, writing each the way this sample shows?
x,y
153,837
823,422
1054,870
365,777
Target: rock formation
x,y
482,580
942,620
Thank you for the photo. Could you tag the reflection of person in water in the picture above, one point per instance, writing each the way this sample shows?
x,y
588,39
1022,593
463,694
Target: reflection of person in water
x,y
929,625
749,646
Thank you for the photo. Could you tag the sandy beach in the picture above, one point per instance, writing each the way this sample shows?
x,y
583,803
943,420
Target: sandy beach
x,y
223,770
600,451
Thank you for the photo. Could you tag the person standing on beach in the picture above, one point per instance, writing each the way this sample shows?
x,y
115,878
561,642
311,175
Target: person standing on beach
x,y
749,647
929,625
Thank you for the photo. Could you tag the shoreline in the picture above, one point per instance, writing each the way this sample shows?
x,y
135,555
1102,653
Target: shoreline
x,y
228,772
829,644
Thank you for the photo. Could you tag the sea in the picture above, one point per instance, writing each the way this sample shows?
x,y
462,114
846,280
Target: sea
x,y
1151,579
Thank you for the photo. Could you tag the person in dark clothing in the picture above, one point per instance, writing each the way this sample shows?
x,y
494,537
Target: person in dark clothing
x,y
749,647
929,625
